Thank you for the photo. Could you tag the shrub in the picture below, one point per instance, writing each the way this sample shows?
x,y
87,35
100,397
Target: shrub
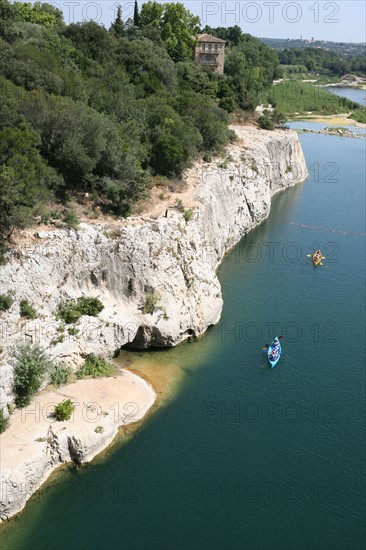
x,y
71,310
99,430
228,104
95,366
26,310
64,410
129,290
188,215
151,300
31,365
71,219
6,301
4,421
60,374
266,123
58,340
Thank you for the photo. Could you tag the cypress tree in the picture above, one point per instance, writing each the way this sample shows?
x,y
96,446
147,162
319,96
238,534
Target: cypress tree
x,y
117,26
136,15
179,52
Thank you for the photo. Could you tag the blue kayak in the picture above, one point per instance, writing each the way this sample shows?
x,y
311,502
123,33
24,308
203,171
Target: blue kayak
x,y
273,358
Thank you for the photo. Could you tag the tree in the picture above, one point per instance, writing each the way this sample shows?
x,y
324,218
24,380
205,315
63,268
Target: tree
x,y
136,15
175,23
23,173
31,365
42,14
151,14
117,26
279,117
179,52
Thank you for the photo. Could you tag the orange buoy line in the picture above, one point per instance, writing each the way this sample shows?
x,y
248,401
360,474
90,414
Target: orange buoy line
x,y
325,229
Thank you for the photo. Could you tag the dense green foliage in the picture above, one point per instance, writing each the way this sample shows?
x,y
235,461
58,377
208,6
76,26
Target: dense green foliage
x,y
4,421
293,97
250,65
86,109
323,61
95,366
178,27
359,115
70,311
64,410
59,374
31,365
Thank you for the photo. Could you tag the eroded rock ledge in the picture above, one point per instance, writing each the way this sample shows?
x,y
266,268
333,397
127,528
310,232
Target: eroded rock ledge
x,y
168,256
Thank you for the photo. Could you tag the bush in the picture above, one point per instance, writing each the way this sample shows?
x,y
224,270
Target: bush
x,y
31,365
228,104
26,310
60,374
6,301
71,219
188,215
266,123
64,410
71,310
95,366
151,300
4,421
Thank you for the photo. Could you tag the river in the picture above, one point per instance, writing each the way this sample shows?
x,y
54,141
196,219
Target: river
x,y
242,456
354,94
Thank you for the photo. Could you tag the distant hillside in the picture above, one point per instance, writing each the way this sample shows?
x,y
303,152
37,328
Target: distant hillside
x,y
346,49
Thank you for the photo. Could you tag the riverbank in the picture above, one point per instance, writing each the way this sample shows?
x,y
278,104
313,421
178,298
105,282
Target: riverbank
x,y
172,258
35,444
357,84
339,120
333,131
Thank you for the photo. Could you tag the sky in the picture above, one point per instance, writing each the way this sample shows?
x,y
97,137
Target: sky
x,y
339,21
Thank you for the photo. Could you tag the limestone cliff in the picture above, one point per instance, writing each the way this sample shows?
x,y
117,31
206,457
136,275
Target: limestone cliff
x,y
170,257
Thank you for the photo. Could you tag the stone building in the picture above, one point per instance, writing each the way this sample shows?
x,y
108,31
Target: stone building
x,y
210,52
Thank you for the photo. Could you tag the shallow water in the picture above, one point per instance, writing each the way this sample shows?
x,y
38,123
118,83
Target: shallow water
x,y
308,124
242,456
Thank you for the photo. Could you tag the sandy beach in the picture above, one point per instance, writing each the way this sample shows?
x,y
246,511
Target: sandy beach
x,y
35,444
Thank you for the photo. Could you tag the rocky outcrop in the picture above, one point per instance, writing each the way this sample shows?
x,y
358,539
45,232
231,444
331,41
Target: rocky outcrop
x,y
35,443
128,263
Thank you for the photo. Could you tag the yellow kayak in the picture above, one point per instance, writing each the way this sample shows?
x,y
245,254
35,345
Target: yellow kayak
x,y
317,258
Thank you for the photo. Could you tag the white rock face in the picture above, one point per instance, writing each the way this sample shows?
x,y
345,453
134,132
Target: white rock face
x,y
122,263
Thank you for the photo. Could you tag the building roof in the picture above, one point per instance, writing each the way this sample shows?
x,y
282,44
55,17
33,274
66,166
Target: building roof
x,y
210,38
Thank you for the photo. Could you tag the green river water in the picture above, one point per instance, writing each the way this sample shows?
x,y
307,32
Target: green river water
x,y
239,456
